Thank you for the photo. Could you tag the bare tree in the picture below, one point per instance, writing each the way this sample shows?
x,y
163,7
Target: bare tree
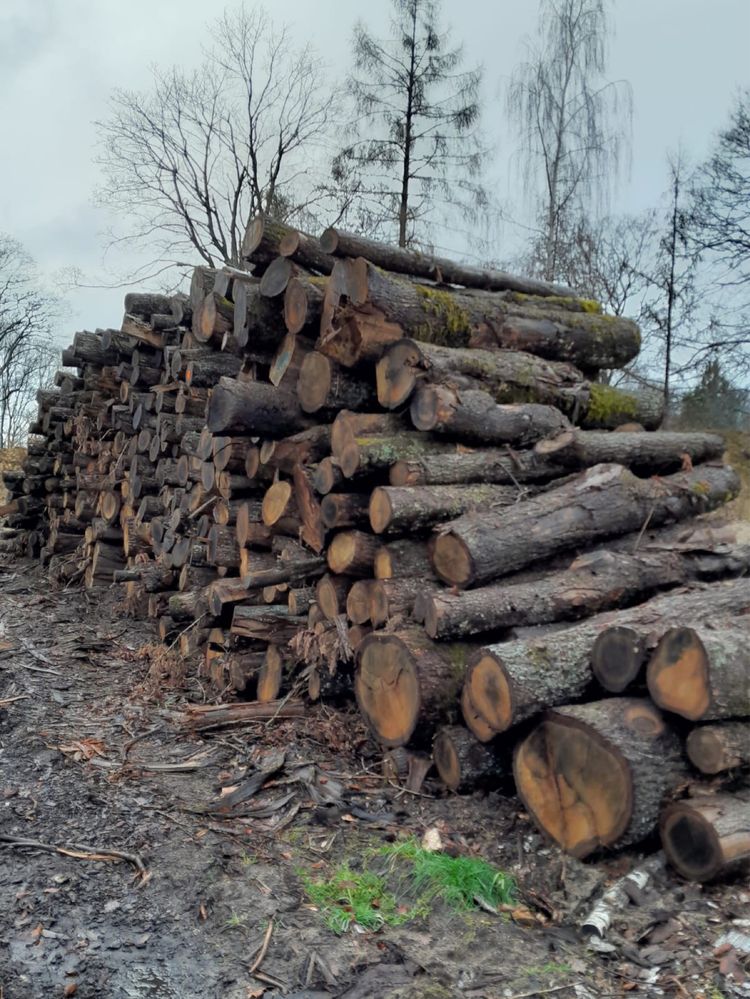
x,y
574,125
416,139
187,163
27,316
719,227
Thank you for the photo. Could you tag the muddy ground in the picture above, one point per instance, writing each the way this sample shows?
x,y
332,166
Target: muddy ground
x,y
87,763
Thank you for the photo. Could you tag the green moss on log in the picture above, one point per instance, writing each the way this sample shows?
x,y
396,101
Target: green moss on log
x,y
454,321
606,402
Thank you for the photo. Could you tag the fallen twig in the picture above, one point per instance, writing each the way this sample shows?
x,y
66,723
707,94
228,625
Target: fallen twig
x,y
9,700
80,851
263,948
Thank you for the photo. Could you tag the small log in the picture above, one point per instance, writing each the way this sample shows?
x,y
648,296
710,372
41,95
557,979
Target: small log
x,y
330,595
303,301
307,251
708,837
254,407
712,749
402,558
345,510
465,465
270,675
596,775
352,553
464,764
322,385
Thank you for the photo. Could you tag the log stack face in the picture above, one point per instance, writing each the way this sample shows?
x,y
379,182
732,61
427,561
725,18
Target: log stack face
x,y
384,471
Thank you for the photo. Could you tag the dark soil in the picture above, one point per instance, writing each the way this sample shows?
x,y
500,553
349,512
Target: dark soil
x,y
81,731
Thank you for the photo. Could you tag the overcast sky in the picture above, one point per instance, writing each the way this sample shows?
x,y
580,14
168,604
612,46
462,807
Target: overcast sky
x,y
59,60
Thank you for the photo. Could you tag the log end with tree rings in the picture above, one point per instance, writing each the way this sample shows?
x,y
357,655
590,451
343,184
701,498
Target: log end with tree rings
x,y
314,382
617,658
276,502
396,373
270,675
330,595
678,674
712,749
705,837
358,601
380,510
487,693
253,236
289,243
452,561
352,553
387,689
573,776
329,241
473,719
425,407
295,306
276,277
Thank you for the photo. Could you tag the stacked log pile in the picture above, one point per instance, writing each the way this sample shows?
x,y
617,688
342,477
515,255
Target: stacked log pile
x,y
356,468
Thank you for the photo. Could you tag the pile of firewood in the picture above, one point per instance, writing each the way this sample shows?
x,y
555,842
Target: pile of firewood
x,y
353,467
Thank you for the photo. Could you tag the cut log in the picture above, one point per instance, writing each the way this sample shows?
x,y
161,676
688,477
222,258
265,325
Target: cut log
x,y
511,681
307,251
403,679
254,407
708,837
473,416
364,455
659,451
596,775
262,239
270,676
605,500
465,764
397,510
392,598
352,553
312,530
715,748
403,558
321,384
465,465
303,301
594,582
345,510
412,262
507,375
702,674
330,595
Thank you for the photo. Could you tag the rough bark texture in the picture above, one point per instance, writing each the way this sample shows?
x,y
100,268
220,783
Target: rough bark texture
x,y
464,465
606,500
659,451
596,775
401,510
594,582
708,837
254,408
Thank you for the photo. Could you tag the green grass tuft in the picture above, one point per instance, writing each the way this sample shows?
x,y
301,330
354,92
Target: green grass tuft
x,y
349,897
457,881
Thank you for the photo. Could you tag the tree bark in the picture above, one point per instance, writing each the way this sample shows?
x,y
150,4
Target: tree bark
x,y
503,466
595,775
605,500
323,385
657,452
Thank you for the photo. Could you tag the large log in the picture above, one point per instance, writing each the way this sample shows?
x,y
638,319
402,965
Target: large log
x,y
596,581
606,500
596,775
254,408
403,679
660,451
507,375
702,673
706,837
473,416
402,261
465,465
511,681
400,510
456,318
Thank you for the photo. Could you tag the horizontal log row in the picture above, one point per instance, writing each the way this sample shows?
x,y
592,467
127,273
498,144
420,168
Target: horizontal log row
x,y
397,479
